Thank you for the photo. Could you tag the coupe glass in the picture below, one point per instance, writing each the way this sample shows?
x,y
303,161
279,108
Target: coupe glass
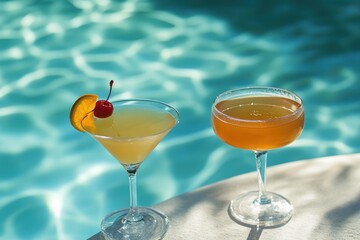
x,y
130,134
259,119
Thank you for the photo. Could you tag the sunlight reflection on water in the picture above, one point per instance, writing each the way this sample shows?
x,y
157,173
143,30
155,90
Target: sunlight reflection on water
x,y
57,183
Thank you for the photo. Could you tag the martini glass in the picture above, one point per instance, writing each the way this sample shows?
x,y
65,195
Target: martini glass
x,y
133,130
259,119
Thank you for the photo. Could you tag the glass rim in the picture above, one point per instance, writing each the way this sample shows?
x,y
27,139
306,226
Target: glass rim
x,y
260,91
176,117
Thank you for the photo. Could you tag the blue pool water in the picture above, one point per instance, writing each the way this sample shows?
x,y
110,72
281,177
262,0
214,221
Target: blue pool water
x,y
57,183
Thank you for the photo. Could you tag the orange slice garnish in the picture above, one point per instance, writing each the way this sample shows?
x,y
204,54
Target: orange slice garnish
x,y
81,113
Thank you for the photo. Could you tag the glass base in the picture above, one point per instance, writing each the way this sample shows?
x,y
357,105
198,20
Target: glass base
x,y
272,210
151,224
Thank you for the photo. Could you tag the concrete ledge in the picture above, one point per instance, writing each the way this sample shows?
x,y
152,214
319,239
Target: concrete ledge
x,y
324,191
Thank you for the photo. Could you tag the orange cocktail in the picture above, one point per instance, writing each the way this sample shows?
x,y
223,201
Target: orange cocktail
x,y
258,122
259,119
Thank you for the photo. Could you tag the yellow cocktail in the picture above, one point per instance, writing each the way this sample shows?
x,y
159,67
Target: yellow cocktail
x,y
130,133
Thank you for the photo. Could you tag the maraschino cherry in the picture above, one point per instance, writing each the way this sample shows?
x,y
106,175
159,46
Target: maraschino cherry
x,y
104,108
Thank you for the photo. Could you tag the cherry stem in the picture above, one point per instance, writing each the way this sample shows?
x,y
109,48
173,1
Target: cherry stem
x,y
111,84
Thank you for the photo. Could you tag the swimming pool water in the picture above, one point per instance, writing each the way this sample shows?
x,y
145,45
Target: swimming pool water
x,y
57,183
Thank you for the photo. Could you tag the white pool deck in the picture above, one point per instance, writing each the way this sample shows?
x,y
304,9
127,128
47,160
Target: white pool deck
x,y
324,191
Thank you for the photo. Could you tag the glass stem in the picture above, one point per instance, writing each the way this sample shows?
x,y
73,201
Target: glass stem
x,y
133,215
261,158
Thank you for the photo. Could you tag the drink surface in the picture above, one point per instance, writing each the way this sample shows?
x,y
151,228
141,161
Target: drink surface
x,y
132,132
258,122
